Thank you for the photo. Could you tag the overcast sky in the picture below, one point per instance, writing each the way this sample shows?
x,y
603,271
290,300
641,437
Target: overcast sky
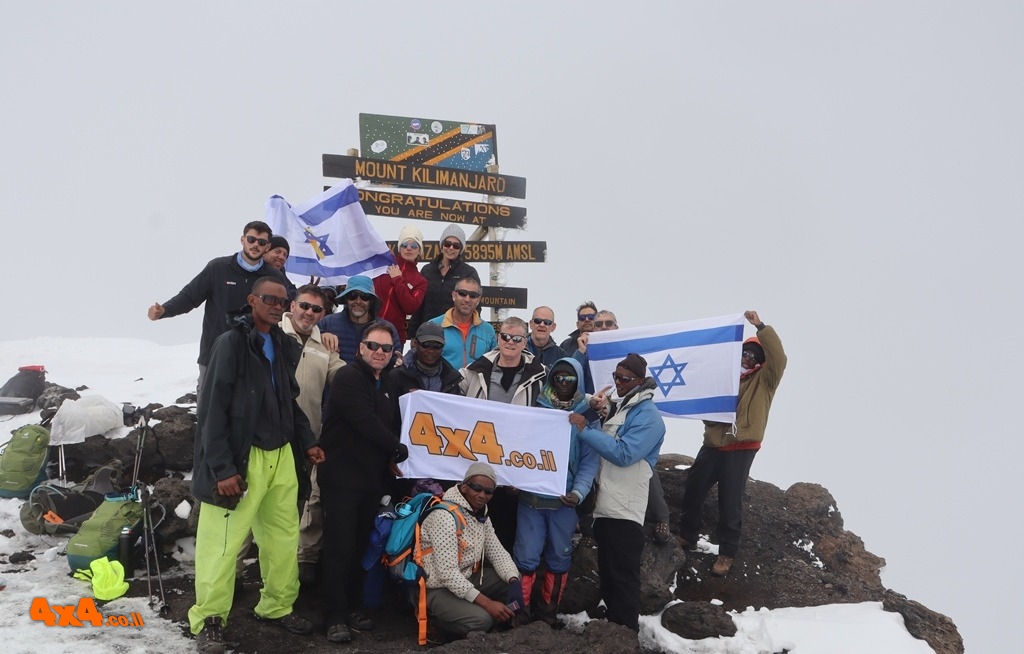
x,y
851,170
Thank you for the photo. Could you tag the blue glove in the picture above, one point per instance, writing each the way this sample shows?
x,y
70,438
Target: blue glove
x,y
515,593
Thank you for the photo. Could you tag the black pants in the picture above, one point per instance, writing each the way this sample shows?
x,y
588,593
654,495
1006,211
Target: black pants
x,y
348,519
728,469
620,546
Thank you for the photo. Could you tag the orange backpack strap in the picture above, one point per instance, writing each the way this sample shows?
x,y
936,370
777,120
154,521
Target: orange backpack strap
x,y
421,612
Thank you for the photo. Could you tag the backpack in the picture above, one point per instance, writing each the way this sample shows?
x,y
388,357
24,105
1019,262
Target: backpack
x,y
28,382
404,551
23,462
52,509
98,536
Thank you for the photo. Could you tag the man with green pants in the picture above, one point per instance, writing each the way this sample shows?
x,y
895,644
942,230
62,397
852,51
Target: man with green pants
x,y
250,444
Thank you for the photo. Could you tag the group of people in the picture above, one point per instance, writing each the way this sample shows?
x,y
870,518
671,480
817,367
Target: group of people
x,y
298,440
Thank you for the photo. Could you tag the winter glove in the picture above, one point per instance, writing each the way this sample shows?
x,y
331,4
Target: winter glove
x,y
515,594
401,453
108,579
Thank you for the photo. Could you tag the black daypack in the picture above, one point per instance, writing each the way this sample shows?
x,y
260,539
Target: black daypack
x,y
27,382
54,509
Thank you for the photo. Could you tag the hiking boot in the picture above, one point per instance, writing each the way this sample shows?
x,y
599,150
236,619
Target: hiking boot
x,y
661,532
307,574
339,633
210,640
721,566
291,623
359,622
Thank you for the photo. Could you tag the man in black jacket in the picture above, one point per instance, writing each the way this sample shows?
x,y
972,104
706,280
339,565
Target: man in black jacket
x,y
224,284
361,445
424,368
251,442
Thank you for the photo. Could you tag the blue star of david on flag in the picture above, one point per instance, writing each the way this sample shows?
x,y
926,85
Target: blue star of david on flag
x,y
661,372
319,244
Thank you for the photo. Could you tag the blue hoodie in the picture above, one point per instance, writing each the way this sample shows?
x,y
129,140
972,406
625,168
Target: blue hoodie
x,y
584,462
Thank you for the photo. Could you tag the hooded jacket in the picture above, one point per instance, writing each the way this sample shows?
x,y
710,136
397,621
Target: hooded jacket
x,y
237,386
400,296
757,390
450,564
583,461
478,378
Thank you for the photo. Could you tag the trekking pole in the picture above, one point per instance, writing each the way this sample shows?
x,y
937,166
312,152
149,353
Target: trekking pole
x,y
150,546
143,427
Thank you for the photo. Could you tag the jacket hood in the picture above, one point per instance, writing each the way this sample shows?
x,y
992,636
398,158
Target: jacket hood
x,y
579,400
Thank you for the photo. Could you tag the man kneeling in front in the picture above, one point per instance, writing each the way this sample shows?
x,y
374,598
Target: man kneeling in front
x,y
469,588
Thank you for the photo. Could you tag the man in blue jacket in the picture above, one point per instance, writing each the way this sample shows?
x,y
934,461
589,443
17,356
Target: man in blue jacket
x,y
629,443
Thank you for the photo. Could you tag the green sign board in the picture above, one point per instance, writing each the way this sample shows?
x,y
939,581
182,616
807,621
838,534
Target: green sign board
x,y
428,141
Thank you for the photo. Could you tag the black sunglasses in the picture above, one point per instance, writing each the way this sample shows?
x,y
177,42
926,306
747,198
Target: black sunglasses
x,y
358,295
543,321
464,293
273,299
387,347
431,346
586,317
515,338
622,379
306,306
252,239
479,488
455,245
604,323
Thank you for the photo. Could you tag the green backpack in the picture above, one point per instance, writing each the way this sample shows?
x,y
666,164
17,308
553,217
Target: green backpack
x,y
99,534
23,462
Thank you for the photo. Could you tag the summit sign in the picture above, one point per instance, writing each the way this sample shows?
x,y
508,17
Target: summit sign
x,y
403,174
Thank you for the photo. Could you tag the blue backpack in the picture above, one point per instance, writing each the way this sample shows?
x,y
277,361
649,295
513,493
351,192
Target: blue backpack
x,y
404,551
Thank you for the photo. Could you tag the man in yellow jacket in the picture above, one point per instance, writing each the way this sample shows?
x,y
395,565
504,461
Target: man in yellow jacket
x,y
729,449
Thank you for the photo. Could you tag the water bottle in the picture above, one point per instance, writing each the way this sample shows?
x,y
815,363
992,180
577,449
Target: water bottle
x,y
404,509
124,552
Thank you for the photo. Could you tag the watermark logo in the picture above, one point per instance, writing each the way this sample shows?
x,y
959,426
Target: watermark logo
x,y
77,615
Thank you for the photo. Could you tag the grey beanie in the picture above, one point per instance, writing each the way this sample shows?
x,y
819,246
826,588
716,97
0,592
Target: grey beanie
x,y
453,230
482,469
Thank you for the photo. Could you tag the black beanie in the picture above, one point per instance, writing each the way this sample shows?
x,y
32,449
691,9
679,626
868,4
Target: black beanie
x,y
279,242
636,364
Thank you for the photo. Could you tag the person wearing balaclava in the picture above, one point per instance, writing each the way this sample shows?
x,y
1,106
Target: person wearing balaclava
x,y
729,449
629,442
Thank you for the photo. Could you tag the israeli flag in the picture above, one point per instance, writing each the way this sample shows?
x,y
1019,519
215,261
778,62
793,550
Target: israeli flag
x,y
695,364
329,236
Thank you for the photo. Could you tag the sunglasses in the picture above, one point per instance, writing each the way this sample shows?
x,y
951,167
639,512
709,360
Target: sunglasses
x,y
358,295
479,488
565,379
252,239
430,346
622,379
543,321
747,354
604,323
273,299
515,338
455,245
373,346
306,306
412,245
463,293
586,317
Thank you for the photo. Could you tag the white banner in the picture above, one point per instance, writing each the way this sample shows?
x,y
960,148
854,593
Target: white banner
x,y
528,447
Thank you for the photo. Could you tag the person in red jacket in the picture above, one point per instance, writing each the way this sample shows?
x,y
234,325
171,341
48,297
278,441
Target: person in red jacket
x,y
402,288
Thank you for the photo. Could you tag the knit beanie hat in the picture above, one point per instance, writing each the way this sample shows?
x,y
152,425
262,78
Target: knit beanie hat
x,y
411,233
279,242
454,231
480,468
635,363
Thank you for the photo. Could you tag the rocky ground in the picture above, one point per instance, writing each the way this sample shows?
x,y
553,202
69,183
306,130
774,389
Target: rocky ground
x,y
795,553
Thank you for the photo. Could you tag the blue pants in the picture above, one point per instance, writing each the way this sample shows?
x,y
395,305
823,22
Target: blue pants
x,y
544,531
